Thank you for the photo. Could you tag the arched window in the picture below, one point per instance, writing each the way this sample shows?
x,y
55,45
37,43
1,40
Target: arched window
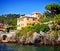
x,y
4,37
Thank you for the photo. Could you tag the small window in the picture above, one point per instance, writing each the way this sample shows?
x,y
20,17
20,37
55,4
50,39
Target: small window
x,y
19,25
19,20
22,24
22,20
27,18
33,19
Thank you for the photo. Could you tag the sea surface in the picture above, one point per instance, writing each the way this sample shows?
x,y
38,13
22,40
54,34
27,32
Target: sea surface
x,y
18,47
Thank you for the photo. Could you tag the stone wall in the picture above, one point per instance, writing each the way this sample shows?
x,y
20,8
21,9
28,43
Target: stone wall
x,y
7,37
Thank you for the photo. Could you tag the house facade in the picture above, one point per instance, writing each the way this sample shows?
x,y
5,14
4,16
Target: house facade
x,y
3,26
27,19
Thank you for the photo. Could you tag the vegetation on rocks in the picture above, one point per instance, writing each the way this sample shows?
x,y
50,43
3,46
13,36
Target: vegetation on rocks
x,y
49,24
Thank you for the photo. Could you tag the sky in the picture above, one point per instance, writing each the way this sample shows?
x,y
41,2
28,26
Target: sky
x,y
24,6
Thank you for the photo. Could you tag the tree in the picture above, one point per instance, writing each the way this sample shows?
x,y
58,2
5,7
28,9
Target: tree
x,y
57,18
44,27
46,13
53,8
41,27
9,19
53,27
37,28
10,28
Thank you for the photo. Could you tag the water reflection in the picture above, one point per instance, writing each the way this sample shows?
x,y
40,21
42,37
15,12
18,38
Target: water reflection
x,y
18,47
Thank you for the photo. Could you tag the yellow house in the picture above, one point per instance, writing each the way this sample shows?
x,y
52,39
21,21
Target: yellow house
x,y
27,19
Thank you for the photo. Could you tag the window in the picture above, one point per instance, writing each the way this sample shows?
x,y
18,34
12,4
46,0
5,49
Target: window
x,y
22,19
19,25
4,37
18,20
33,19
22,24
27,18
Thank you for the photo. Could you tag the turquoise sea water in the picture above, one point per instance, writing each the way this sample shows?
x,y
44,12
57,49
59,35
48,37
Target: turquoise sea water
x,y
18,47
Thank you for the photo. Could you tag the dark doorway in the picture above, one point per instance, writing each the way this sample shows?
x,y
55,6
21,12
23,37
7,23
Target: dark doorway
x,y
4,37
